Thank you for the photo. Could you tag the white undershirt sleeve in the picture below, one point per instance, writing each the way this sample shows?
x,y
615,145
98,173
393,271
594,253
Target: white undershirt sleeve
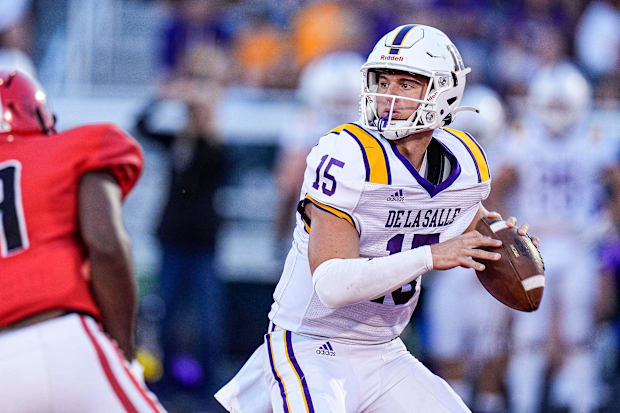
x,y
339,282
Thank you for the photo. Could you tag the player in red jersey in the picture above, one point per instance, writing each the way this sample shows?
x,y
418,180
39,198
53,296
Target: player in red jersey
x,y
67,284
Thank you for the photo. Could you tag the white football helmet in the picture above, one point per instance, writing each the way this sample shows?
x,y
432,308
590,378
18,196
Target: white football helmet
x,y
421,50
560,96
486,125
330,85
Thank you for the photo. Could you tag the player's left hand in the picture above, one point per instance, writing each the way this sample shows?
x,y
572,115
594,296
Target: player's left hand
x,y
512,222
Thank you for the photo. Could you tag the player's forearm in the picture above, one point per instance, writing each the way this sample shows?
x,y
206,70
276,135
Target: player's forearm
x,y
115,292
340,282
112,275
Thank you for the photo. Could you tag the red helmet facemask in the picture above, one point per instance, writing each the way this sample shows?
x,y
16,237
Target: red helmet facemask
x,y
23,105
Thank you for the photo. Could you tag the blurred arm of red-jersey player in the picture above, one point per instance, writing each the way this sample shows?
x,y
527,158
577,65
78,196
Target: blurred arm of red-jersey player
x,y
113,281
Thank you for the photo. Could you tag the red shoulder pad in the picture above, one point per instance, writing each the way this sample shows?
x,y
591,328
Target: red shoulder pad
x,y
105,147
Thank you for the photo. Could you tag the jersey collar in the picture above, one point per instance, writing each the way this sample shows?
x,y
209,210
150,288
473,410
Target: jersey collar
x,y
425,183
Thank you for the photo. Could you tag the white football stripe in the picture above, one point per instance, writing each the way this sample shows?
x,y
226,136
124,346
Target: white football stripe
x,y
535,281
498,226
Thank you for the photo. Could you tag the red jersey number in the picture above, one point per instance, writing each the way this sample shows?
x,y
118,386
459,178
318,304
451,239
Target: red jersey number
x,y
13,235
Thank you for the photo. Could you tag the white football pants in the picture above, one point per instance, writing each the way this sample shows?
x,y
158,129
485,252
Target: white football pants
x,y
293,374
571,291
316,375
65,365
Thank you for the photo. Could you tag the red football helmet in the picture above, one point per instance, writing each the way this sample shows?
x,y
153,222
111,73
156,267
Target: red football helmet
x,y
23,105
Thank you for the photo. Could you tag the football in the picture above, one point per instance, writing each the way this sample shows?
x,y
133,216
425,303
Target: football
x,y
518,278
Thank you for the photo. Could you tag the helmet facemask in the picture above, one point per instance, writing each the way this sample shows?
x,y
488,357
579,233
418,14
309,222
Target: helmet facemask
x,y
434,108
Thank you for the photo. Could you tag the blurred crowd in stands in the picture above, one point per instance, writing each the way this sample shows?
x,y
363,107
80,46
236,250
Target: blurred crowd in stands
x,y
267,43
204,47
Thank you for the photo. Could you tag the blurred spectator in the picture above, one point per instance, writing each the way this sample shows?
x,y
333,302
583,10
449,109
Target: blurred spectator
x,y
262,53
320,27
328,94
191,24
608,310
15,39
524,47
597,38
377,21
189,284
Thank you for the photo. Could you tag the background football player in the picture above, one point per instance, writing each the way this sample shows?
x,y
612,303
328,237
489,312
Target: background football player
x,y
67,285
553,179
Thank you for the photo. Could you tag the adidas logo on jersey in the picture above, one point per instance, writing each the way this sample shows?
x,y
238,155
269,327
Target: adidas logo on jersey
x,y
397,196
326,349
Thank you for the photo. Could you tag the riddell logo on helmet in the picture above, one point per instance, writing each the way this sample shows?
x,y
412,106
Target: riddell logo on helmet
x,y
431,97
390,57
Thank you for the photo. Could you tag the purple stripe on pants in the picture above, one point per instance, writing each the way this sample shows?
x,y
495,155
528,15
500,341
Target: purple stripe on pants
x,y
300,373
275,375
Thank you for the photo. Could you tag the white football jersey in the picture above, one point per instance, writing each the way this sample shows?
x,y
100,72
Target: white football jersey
x,y
361,177
558,190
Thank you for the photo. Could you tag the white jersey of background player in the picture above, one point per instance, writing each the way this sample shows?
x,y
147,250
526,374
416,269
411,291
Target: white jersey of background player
x,y
375,195
555,180
468,343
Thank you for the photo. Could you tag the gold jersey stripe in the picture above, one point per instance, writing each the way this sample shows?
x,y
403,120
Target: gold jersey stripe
x,y
475,151
331,210
375,158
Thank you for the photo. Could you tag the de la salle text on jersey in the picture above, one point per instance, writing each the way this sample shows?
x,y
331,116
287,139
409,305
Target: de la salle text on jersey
x,y
423,218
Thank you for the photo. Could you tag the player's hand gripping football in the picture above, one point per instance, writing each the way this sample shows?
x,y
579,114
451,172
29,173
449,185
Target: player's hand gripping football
x,y
512,222
463,250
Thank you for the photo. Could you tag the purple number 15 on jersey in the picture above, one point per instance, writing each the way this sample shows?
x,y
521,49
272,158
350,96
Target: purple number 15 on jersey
x,y
327,175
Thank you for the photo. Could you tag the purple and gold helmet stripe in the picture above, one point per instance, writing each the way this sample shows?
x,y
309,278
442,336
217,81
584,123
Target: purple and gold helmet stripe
x,y
400,37
482,168
301,377
286,408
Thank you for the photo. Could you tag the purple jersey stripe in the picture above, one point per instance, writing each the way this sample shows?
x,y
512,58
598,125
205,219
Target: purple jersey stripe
x,y
276,375
387,163
470,153
300,373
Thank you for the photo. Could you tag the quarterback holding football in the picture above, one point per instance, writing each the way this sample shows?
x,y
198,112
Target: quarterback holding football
x,y
384,200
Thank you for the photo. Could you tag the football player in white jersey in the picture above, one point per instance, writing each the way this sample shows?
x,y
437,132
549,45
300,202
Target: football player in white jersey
x,y
554,181
468,343
384,200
